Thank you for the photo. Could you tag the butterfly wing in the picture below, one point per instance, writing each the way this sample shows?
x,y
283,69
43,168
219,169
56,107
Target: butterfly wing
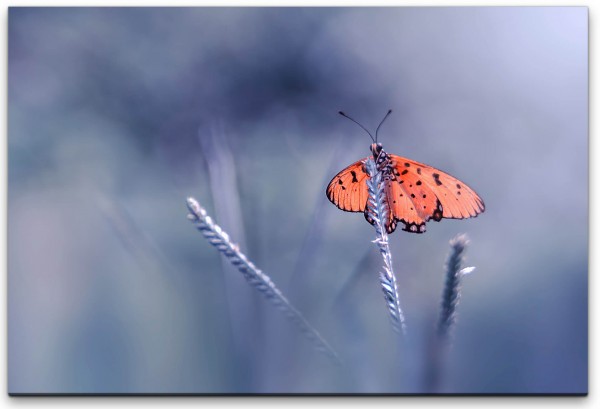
x,y
421,193
348,189
406,207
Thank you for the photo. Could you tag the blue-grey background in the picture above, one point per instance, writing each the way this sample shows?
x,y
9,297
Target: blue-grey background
x,y
117,115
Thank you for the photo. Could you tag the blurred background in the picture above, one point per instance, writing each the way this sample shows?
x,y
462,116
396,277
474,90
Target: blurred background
x,y
117,115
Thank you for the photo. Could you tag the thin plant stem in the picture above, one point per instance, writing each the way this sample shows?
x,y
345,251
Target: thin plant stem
x,y
440,342
243,315
255,277
379,212
451,292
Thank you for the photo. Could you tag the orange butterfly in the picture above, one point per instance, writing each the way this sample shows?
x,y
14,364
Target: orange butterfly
x,y
414,192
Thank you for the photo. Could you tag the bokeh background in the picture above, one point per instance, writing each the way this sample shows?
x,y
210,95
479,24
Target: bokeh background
x,y
117,115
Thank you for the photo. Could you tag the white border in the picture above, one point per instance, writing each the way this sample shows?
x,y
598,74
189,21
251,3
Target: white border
x,y
262,402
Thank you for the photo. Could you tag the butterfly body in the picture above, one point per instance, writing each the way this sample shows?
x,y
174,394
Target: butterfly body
x,y
384,162
414,192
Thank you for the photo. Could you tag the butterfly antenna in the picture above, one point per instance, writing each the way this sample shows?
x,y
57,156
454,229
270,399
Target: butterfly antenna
x,y
365,129
381,123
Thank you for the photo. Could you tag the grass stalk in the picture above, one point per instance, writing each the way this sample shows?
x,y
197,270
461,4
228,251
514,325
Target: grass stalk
x,y
451,292
255,277
440,342
379,212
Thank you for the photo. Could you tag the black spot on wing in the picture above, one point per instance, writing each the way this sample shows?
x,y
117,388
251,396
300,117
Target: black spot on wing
x,y
391,226
436,178
353,173
438,212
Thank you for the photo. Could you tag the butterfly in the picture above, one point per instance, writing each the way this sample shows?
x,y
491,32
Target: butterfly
x,y
414,192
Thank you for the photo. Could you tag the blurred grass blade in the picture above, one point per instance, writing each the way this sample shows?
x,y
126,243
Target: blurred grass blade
x,y
242,315
440,342
220,239
451,292
311,243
